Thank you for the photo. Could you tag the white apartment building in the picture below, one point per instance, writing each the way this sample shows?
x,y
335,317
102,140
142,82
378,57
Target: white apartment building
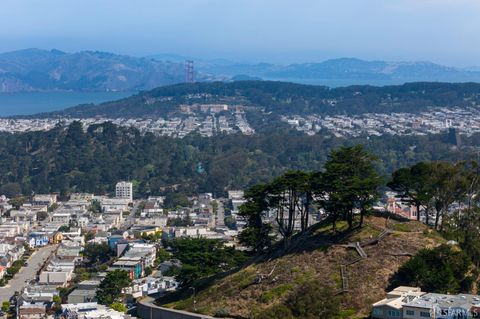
x,y
23,216
61,217
124,190
45,199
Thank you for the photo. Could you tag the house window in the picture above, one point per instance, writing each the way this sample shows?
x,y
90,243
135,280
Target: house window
x,y
394,313
377,312
424,314
410,312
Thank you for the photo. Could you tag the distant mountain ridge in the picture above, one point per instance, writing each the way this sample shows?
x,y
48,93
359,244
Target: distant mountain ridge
x,y
33,70
54,70
349,69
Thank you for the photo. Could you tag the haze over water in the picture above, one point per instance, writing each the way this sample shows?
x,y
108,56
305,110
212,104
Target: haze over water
x,y
38,102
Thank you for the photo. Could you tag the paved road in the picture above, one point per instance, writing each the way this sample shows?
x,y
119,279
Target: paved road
x,y
130,219
220,218
28,273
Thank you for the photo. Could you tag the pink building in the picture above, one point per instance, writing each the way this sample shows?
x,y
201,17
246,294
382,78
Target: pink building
x,y
398,208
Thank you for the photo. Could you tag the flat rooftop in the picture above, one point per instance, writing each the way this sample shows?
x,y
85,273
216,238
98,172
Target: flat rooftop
x,y
445,301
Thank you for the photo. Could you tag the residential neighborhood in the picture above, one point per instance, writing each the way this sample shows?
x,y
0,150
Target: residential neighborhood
x,y
55,238
240,159
436,120
205,119
48,242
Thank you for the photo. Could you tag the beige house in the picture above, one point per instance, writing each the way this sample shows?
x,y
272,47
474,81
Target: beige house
x,y
392,306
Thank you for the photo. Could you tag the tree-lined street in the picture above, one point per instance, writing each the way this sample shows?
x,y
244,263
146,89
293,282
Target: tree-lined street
x,y
26,274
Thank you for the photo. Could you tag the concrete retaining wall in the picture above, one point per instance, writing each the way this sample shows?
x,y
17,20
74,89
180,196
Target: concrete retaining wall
x,y
147,310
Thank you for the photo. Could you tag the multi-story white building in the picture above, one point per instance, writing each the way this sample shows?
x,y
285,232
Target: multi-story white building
x,y
124,190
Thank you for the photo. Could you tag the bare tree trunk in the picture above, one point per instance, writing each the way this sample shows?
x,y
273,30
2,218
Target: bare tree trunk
x,y
437,216
362,214
305,213
427,216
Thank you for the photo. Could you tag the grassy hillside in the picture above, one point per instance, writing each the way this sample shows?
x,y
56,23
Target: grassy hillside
x,y
319,256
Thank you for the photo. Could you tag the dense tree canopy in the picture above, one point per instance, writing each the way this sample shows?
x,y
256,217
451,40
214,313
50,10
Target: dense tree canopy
x,y
444,269
203,257
110,289
348,183
174,200
411,184
435,186
288,98
97,253
71,160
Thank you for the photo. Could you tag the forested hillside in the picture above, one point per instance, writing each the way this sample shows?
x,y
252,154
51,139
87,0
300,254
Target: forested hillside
x,y
287,98
69,159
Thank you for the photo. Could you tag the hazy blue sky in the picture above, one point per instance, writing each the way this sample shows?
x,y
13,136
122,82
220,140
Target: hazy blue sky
x,y
444,31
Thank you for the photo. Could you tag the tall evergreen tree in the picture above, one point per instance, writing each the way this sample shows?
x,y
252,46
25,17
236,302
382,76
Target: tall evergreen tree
x,y
348,183
412,185
110,289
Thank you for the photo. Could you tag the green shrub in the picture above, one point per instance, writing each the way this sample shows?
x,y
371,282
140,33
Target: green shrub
x,y
310,300
276,292
222,312
5,306
313,300
280,311
443,269
118,306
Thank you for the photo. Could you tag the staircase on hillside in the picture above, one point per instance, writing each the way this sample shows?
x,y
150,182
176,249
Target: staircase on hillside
x,y
360,250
